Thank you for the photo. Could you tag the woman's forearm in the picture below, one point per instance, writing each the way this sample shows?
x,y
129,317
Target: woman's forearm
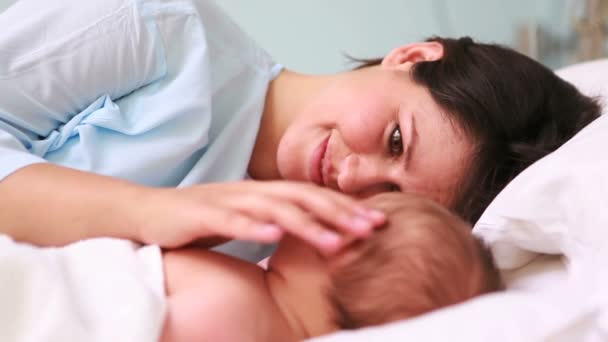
x,y
47,205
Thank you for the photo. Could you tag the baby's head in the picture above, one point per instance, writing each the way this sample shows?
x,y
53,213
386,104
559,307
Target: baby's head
x,y
424,258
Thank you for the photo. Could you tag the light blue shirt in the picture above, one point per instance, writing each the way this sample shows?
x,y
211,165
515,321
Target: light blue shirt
x,y
162,93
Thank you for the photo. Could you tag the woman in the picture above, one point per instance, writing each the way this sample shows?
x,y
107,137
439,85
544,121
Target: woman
x,y
151,113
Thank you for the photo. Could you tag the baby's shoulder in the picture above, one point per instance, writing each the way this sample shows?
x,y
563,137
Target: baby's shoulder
x,y
218,298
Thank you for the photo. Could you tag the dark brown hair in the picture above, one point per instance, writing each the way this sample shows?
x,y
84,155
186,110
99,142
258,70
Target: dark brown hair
x,y
514,108
424,259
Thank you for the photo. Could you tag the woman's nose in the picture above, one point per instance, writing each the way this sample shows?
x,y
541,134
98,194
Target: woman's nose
x,y
363,175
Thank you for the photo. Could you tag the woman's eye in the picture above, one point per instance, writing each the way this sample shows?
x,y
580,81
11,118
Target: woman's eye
x,y
395,143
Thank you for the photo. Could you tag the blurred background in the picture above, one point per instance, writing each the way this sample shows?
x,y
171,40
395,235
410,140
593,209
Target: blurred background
x,y
313,35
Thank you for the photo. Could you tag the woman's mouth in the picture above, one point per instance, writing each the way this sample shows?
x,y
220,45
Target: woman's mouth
x,y
316,162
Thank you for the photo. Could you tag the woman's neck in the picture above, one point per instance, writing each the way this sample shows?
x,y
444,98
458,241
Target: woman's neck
x,y
287,95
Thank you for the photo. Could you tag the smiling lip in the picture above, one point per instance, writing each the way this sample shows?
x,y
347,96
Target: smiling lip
x,y
316,162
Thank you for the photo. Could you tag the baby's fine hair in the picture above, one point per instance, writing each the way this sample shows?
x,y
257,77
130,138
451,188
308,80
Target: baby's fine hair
x,y
425,258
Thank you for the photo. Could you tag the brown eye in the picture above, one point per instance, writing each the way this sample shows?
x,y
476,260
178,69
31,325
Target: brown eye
x,y
395,143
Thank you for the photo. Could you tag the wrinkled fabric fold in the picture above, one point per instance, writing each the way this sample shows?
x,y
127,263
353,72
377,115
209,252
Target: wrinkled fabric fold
x,y
161,93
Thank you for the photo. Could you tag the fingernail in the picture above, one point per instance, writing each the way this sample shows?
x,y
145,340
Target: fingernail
x,y
270,231
376,215
329,239
360,225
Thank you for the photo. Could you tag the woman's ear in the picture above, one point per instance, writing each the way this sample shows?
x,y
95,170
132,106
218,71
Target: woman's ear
x,y
404,56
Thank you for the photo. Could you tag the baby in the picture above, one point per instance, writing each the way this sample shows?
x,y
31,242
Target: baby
x,y
423,259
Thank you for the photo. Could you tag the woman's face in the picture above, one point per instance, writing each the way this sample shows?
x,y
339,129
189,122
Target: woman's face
x,y
373,131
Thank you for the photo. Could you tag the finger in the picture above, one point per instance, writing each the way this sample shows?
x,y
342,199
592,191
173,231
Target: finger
x,y
235,225
337,210
339,207
292,219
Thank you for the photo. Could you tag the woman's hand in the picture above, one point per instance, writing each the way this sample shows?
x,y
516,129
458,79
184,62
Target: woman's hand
x,y
252,210
50,205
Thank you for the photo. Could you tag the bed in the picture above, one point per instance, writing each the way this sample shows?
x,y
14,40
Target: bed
x,y
548,231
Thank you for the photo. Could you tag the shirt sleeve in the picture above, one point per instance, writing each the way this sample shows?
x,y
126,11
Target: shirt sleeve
x,y
57,60
13,154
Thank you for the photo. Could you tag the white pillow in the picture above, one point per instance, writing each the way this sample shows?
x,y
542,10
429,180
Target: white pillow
x,y
558,205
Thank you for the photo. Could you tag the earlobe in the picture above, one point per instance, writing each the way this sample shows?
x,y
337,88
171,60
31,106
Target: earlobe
x,y
404,56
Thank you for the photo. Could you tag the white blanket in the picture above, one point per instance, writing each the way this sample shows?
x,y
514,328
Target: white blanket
x,y
96,290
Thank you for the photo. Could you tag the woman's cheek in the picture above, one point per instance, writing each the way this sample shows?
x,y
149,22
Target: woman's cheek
x,y
285,160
